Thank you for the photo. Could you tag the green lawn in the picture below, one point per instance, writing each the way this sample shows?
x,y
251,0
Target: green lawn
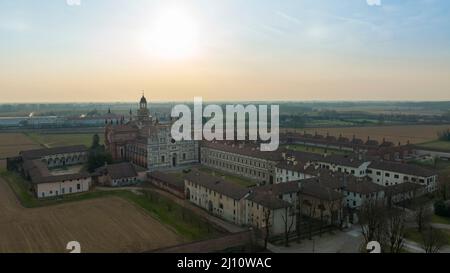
x,y
437,144
440,220
57,140
183,221
414,235
310,149
232,178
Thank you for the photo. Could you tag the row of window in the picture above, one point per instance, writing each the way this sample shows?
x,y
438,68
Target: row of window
x,y
232,167
405,178
57,160
236,158
63,191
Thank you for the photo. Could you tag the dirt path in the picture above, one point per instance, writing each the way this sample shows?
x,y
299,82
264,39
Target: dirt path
x,y
101,225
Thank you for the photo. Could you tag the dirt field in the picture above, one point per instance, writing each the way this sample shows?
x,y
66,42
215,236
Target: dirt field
x,y
12,143
100,225
57,140
414,133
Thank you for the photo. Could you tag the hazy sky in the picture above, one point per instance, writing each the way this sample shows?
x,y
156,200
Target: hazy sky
x,y
109,50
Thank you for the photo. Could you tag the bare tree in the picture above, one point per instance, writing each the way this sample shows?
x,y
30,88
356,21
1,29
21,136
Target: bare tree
x,y
321,209
335,208
299,218
288,220
372,220
433,240
311,214
267,223
444,185
395,231
422,215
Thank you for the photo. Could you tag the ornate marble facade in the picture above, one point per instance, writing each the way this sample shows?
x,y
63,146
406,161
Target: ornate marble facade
x,y
148,143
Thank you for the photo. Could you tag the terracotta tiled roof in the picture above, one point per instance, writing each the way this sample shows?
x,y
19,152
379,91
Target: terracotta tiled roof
x,y
120,170
402,168
39,173
244,149
39,153
217,184
167,178
268,200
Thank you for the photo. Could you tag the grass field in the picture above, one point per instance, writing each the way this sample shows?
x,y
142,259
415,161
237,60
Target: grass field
x,y
440,220
186,224
401,133
414,235
232,178
56,140
12,143
444,145
109,224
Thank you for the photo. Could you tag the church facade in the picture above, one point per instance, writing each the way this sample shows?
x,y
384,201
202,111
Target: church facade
x,y
146,142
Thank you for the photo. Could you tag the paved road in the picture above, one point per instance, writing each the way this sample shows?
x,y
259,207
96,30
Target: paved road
x,y
338,242
440,226
417,248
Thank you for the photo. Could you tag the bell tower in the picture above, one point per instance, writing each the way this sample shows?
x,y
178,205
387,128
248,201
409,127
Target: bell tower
x,y
143,112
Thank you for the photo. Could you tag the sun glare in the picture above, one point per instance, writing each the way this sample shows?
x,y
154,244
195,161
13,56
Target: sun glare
x,y
174,35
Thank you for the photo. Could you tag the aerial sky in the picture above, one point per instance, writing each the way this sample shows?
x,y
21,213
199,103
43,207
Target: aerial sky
x,y
288,50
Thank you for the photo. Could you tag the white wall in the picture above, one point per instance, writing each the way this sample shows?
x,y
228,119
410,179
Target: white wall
x,y
45,190
394,178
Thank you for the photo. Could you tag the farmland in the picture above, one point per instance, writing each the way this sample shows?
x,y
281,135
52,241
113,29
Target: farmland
x,y
108,224
402,133
443,145
102,221
316,150
12,143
